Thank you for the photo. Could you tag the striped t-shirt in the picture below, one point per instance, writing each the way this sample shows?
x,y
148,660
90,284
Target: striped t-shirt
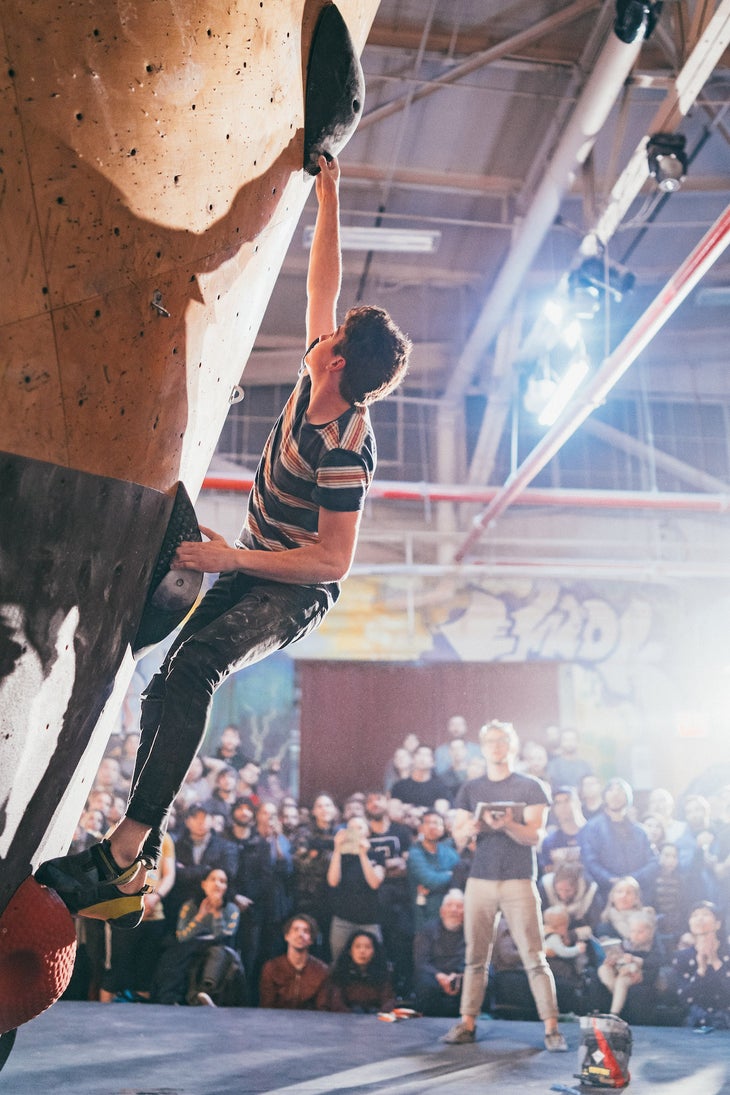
x,y
303,467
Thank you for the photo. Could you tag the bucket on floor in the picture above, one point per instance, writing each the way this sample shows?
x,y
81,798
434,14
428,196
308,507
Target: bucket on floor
x,y
604,1052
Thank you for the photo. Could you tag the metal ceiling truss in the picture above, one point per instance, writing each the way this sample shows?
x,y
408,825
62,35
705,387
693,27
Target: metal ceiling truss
x,y
694,42
704,255
711,34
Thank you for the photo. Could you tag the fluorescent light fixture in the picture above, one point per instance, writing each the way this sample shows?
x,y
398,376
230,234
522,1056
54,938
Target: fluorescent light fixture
x,y
565,391
365,238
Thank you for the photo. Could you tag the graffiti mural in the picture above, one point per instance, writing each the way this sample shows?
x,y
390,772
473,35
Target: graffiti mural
x,y
641,661
635,664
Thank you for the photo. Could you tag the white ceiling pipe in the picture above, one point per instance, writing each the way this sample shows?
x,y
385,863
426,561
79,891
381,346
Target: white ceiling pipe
x,y
614,570
704,255
680,98
696,71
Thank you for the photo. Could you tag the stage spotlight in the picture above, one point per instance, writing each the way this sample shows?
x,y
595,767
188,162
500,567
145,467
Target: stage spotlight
x,y
585,299
667,160
636,17
594,276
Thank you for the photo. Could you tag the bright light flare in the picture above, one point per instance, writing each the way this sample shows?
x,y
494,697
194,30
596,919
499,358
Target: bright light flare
x,y
553,312
565,391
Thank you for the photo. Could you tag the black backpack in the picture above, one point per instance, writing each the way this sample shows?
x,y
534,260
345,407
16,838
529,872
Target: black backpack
x,y
218,971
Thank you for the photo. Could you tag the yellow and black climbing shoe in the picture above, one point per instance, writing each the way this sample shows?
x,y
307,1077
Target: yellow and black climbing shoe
x,y
88,882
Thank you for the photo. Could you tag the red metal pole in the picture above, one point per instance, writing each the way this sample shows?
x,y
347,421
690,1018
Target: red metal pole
x,y
391,491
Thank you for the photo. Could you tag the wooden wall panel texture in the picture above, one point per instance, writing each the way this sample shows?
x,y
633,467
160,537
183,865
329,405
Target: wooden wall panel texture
x,y
145,147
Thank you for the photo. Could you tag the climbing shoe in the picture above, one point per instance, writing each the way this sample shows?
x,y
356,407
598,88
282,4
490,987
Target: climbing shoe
x,y
87,884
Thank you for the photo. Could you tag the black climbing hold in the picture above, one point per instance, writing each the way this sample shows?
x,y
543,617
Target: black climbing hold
x,y
335,89
171,593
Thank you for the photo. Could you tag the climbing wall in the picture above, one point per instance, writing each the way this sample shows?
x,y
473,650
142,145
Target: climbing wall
x,y
152,176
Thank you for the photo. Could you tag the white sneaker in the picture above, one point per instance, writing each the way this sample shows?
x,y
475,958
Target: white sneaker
x,y
459,1035
555,1043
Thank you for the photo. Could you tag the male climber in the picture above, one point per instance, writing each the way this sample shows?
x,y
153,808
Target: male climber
x,y
275,585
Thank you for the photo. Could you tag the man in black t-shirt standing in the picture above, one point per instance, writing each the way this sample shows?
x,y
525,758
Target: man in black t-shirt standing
x,y
389,844
502,878
422,787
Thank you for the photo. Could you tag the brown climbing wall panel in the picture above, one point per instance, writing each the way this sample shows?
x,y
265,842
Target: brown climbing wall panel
x,y
152,177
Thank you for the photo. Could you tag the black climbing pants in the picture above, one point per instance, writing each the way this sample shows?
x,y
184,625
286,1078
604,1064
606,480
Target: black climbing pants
x,y
239,621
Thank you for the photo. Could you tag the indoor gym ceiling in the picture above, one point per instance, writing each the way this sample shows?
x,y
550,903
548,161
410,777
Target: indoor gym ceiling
x,y
518,133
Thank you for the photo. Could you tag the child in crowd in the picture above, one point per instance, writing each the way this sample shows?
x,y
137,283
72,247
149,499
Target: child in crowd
x,y
556,921
568,886
653,826
634,960
569,953
624,897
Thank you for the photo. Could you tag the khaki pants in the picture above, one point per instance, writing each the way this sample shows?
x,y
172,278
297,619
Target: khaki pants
x,y
518,901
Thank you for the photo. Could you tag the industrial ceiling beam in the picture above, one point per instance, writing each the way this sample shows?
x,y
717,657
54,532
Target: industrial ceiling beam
x,y
502,49
590,113
709,47
617,439
687,86
442,40
488,186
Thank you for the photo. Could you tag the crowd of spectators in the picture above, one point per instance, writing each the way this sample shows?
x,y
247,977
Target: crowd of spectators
x,y
259,900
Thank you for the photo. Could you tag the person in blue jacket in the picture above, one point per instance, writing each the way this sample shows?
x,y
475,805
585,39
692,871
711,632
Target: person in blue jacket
x,y
431,863
613,846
